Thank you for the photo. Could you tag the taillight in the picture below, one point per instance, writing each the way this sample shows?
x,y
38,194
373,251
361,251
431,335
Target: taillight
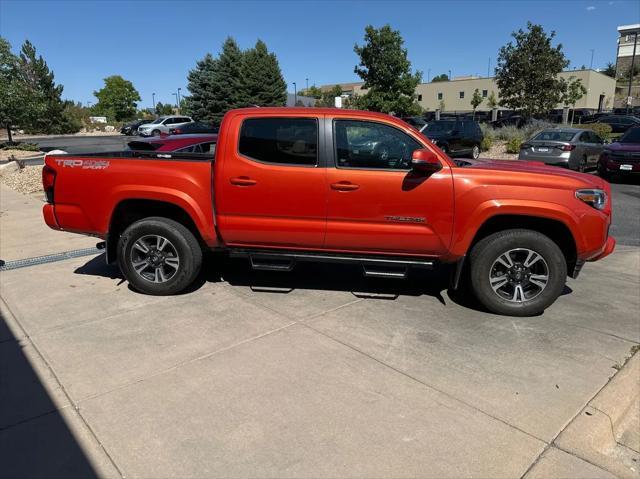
x,y
567,147
48,180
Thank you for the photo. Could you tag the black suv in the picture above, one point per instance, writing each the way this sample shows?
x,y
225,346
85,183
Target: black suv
x,y
456,137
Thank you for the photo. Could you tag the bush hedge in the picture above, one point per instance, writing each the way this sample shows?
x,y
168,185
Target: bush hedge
x,y
601,129
513,145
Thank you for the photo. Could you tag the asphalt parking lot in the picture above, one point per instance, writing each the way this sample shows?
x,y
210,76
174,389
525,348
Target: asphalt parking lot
x,y
317,373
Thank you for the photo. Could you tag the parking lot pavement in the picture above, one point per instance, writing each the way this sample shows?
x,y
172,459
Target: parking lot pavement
x,y
316,373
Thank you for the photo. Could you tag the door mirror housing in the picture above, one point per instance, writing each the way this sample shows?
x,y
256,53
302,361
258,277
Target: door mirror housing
x,y
426,161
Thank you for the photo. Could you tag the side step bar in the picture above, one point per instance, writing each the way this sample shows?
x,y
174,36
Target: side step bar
x,y
377,267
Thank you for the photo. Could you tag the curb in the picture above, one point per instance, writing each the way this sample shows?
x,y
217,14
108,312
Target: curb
x,y
595,435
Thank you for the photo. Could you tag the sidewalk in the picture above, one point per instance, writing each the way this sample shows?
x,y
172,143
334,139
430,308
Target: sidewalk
x,y
318,380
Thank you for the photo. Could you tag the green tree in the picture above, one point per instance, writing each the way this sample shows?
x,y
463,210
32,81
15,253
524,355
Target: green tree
x,y
226,84
610,70
476,99
200,86
573,90
164,109
313,92
527,71
328,97
492,101
386,72
441,77
13,96
117,99
262,82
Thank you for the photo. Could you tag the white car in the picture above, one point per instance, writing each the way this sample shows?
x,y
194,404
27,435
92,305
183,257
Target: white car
x,y
163,125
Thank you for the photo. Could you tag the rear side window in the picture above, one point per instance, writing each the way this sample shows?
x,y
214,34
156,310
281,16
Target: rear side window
x,y
289,141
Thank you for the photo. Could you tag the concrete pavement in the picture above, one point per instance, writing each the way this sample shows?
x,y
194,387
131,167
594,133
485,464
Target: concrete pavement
x,y
317,373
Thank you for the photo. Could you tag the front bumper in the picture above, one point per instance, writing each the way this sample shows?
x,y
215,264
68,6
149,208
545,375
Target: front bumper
x,y
607,249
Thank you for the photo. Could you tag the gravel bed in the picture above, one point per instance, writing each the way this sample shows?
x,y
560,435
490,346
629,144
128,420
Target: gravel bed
x,y
6,154
26,180
497,152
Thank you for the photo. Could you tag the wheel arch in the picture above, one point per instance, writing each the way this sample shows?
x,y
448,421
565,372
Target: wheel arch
x,y
128,211
555,229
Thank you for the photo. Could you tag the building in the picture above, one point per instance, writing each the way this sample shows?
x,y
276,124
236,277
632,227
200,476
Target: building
x,y
628,55
455,95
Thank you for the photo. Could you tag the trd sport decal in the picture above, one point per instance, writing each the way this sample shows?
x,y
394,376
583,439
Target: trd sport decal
x,y
84,164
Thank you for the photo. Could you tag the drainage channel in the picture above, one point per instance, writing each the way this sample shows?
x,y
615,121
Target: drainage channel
x,y
49,258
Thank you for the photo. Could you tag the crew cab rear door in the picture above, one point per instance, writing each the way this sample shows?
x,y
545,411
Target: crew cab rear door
x,y
376,204
270,190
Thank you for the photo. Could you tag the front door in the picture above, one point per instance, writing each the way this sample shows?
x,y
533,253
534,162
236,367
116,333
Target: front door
x,y
270,189
376,204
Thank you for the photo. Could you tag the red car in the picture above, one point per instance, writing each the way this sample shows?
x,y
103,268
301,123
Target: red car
x,y
296,184
201,143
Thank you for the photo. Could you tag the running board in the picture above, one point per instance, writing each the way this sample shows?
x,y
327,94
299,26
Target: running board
x,y
373,266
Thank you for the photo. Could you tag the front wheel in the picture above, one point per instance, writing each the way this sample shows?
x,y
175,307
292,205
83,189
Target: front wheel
x,y
517,272
155,133
159,256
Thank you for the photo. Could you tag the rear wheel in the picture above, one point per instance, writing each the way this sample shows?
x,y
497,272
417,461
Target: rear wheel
x,y
517,272
159,256
582,167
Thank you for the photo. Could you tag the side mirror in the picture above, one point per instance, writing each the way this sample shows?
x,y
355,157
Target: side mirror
x,y
425,161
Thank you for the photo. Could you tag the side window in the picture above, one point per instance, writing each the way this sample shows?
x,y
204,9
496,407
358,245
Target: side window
x,y
584,137
289,141
188,149
209,148
370,145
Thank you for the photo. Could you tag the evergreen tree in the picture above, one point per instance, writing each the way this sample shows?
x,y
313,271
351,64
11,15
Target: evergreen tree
x,y
441,77
13,98
199,84
226,85
386,72
262,82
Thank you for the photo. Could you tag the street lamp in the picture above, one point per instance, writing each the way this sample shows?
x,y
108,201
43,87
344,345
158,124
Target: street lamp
x,y
307,90
176,95
179,100
449,75
591,63
153,99
428,75
295,94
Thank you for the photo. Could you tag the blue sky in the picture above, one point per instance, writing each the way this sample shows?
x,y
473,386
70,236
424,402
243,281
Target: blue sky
x,y
155,43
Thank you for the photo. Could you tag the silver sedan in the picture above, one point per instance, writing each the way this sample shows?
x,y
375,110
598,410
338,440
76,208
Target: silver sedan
x,y
568,147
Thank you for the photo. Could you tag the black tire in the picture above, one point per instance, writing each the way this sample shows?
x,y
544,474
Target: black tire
x,y
155,133
182,245
582,166
484,258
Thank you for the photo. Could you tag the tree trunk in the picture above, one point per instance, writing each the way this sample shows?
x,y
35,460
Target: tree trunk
x,y
9,133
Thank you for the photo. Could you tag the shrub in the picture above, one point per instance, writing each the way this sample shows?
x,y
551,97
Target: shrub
x,y
601,129
513,144
487,142
536,126
507,133
8,145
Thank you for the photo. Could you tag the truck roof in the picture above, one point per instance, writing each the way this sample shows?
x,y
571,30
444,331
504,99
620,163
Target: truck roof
x,y
308,111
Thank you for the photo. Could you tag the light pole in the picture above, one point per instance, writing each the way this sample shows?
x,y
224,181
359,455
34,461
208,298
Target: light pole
x,y
631,70
428,75
153,99
591,63
307,80
176,95
449,75
295,94
489,68
179,101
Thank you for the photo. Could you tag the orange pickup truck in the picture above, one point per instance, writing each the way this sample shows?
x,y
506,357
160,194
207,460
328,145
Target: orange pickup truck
x,y
302,184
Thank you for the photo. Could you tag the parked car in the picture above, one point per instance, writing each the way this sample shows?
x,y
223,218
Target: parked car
x,y
163,125
593,118
456,137
571,148
131,129
196,143
285,190
621,157
513,120
194,127
619,123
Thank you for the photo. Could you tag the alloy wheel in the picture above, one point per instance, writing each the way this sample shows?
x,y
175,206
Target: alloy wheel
x,y
519,275
154,258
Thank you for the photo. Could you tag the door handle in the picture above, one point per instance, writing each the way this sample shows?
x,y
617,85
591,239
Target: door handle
x,y
242,181
344,186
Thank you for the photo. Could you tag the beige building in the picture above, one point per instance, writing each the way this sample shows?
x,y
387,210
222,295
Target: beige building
x,y
628,55
455,95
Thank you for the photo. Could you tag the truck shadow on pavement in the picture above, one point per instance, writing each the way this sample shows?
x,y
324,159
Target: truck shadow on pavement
x,y
313,276
35,438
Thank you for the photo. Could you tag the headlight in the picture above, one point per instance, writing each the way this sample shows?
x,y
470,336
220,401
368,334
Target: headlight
x,y
595,198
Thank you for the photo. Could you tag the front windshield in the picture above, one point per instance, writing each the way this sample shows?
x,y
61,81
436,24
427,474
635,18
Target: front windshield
x,y
440,126
159,120
631,136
